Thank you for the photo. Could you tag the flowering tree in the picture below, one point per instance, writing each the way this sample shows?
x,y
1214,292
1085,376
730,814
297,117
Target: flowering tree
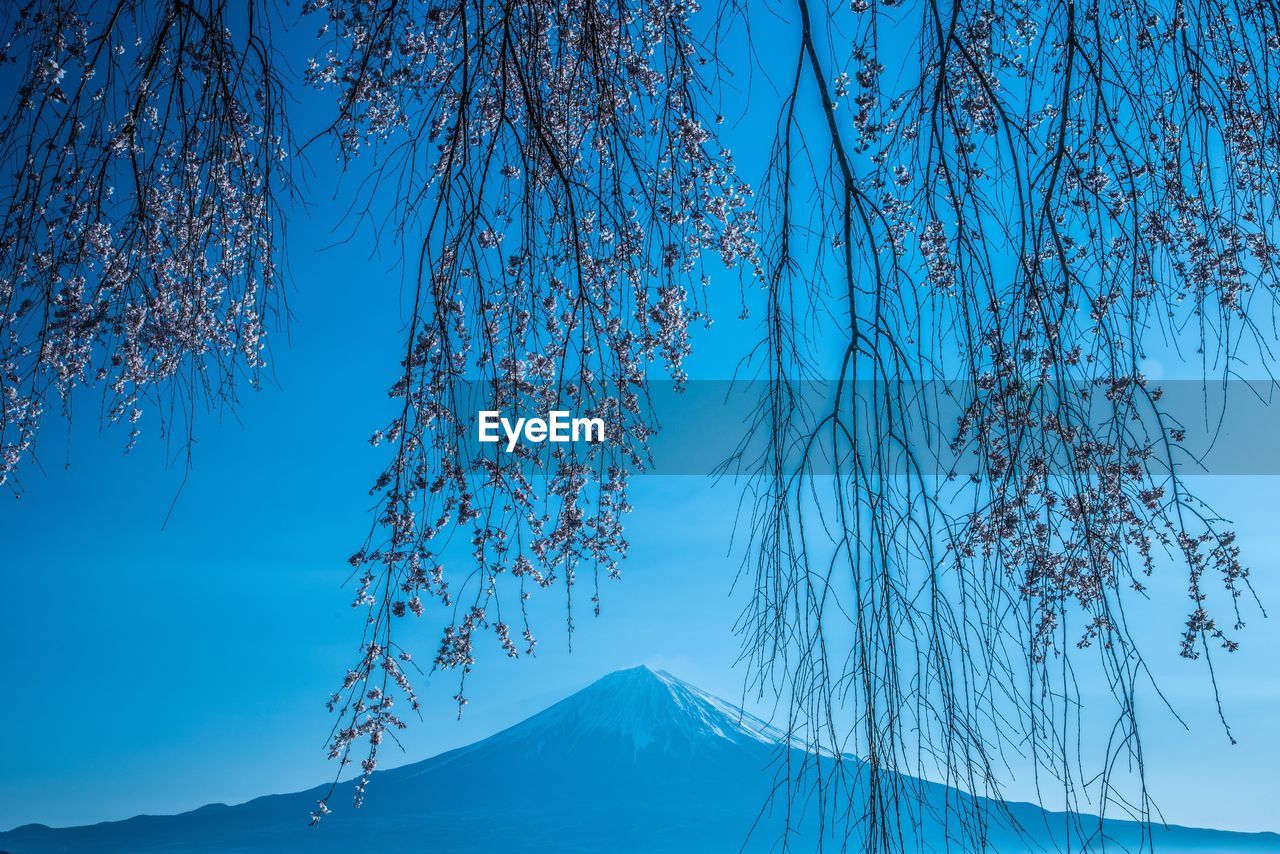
x,y
142,148
1005,218
1036,188
564,187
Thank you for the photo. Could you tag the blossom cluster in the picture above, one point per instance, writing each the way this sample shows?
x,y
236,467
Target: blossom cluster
x,y
566,190
1038,198
1046,209
139,236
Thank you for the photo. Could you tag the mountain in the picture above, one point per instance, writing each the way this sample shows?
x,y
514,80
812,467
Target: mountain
x,y
637,761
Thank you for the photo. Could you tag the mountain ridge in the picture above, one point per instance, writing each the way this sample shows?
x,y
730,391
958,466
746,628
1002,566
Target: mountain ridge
x,y
636,761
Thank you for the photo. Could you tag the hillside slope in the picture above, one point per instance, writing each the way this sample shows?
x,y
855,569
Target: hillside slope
x,y
637,761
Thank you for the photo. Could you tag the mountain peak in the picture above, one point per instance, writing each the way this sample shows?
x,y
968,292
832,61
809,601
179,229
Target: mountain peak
x,y
638,671
647,708
637,761
639,677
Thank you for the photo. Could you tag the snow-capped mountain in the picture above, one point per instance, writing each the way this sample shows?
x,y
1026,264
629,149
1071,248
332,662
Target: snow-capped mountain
x,y
648,709
637,761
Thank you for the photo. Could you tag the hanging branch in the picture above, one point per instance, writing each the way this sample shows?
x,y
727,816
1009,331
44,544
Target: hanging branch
x,y
552,163
1038,190
142,151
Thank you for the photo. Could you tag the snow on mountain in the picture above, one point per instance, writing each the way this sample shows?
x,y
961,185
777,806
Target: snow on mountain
x,y
636,762
650,708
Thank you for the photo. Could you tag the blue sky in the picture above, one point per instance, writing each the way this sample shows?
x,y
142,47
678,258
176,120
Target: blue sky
x,y
188,661
156,666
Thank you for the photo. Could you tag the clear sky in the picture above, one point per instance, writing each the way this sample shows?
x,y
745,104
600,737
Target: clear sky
x,y
154,666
